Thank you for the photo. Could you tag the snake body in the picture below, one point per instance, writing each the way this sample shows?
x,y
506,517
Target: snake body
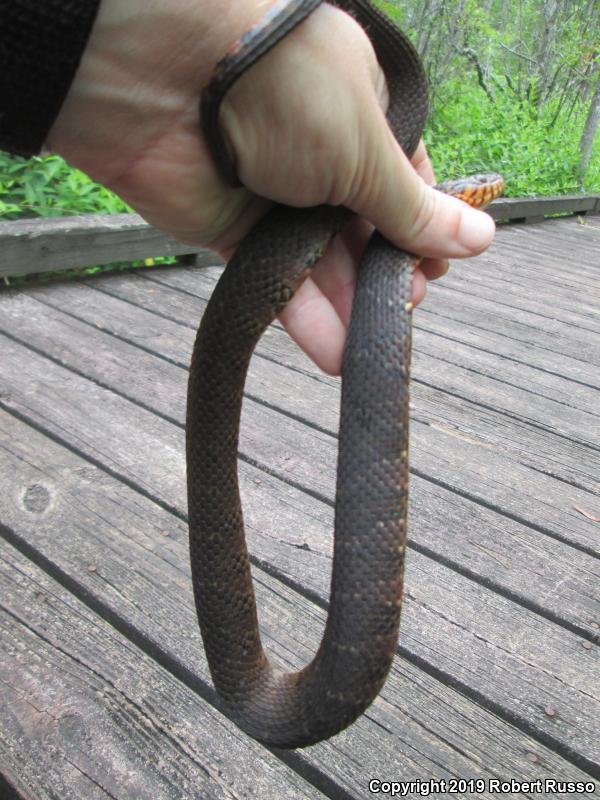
x,y
294,709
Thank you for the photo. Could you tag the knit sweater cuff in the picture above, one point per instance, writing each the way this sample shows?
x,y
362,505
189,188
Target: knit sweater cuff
x,y
41,44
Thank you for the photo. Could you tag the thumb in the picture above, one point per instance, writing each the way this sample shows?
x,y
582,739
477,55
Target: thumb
x,y
395,196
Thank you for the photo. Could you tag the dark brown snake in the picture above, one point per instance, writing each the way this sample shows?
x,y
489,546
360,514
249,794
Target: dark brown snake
x,y
297,709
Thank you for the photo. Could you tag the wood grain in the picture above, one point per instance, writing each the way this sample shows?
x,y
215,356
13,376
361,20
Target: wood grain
x,y
498,665
32,246
140,583
89,714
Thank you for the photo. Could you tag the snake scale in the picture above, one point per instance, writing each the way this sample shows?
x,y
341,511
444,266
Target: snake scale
x,y
286,709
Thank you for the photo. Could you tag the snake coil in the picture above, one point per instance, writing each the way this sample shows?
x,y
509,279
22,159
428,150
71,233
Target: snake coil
x,y
288,709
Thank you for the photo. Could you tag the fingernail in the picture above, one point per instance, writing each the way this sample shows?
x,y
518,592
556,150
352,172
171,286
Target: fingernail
x,y
476,229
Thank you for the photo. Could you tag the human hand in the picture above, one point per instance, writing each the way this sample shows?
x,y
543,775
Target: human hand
x,y
304,129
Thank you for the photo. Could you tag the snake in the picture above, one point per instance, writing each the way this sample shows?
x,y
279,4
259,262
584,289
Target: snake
x,y
286,709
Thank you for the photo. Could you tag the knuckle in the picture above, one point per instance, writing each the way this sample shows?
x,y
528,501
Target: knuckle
x,y
421,212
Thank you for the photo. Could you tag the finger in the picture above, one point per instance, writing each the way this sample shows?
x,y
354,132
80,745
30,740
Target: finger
x,y
434,268
318,316
313,322
419,286
398,201
336,272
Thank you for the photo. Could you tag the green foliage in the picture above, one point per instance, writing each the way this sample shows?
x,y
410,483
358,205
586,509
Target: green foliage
x,y
48,187
510,87
536,151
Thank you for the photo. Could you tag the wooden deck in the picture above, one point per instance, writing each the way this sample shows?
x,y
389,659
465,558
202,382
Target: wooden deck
x,y
104,687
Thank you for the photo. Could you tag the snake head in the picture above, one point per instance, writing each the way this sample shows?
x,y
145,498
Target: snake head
x,y
476,190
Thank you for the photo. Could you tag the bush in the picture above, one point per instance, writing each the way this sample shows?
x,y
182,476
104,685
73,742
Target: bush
x,y
536,152
48,187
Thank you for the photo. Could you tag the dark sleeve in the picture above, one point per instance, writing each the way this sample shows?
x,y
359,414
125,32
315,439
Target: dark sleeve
x,y
41,44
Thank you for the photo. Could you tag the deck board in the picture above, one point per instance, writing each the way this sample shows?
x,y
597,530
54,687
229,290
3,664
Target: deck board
x,y
498,668
89,714
152,383
140,583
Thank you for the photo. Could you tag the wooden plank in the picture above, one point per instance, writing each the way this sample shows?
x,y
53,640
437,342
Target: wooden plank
x,y
517,324
538,332
435,357
514,361
86,713
537,447
562,261
511,659
535,208
456,316
39,245
525,429
507,366
551,247
160,387
439,437
584,229
419,727
545,303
